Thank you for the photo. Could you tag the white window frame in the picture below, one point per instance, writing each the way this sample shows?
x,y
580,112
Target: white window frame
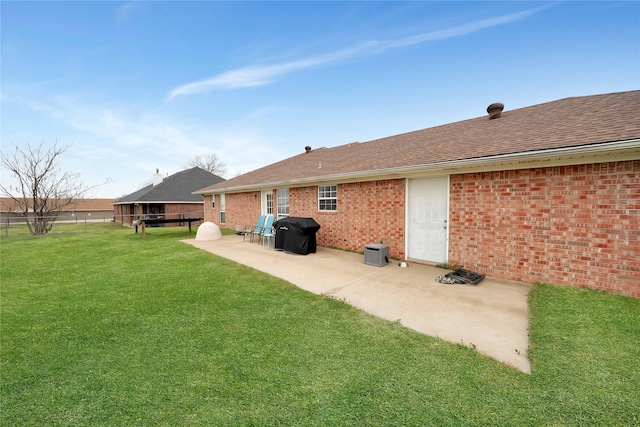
x,y
327,194
223,207
282,203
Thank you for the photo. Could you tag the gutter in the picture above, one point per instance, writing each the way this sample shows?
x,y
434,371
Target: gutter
x,y
613,151
147,202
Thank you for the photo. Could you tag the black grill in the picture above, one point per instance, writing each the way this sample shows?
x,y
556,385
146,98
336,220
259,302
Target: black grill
x,y
296,235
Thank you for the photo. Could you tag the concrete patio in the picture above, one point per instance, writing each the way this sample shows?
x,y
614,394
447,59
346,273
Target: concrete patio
x,y
491,316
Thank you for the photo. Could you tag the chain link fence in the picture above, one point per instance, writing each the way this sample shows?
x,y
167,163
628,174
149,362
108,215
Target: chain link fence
x,y
82,223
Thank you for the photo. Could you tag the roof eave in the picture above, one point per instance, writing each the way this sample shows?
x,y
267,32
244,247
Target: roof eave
x,y
194,202
594,153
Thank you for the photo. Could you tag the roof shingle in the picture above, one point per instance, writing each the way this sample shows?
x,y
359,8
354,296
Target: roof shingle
x,y
175,188
569,122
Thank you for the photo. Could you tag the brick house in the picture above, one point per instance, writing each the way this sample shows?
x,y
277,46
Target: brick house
x,y
546,193
167,197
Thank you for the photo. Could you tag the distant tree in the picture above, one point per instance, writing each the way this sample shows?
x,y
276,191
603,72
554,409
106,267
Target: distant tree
x,y
209,162
144,184
41,191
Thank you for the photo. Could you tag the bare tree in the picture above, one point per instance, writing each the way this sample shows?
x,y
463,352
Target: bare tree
x,y
209,162
41,191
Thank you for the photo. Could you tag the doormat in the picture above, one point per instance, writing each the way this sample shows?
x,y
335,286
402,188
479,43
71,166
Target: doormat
x,y
461,277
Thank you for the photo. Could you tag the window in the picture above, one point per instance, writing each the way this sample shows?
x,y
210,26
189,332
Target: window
x,y
282,196
223,214
327,197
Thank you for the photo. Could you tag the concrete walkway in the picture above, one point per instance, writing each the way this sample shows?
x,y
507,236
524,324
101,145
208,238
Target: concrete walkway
x,y
492,316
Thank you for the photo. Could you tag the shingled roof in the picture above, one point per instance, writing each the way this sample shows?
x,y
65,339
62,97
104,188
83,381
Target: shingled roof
x,y
177,188
569,122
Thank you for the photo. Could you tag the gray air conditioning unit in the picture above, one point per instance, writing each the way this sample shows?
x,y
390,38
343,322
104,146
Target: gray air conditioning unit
x,y
376,254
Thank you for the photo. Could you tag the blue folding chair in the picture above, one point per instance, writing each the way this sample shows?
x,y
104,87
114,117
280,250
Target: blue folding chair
x,y
258,233
267,230
254,230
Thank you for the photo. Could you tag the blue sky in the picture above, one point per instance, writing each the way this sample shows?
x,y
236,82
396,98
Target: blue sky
x,y
135,86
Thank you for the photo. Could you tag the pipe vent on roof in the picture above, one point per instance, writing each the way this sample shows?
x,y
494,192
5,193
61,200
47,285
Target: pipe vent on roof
x,y
495,110
307,149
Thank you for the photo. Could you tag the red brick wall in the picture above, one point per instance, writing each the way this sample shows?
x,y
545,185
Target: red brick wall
x,y
122,213
571,225
368,212
211,214
174,210
241,209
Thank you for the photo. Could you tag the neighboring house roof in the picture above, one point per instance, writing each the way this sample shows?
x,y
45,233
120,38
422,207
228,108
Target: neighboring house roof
x,y
177,188
94,205
7,204
569,123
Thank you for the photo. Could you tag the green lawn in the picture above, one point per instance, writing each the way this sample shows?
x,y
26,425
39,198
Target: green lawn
x,y
105,328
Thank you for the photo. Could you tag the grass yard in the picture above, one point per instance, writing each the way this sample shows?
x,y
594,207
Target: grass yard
x,y
104,328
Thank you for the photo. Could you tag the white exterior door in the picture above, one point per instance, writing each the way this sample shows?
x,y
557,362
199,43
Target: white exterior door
x,y
427,219
266,205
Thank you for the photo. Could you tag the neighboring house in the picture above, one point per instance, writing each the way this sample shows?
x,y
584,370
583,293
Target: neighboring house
x,y
547,193
171,197
96,209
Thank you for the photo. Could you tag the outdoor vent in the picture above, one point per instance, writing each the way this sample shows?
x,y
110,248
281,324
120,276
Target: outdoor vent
x,y
495,110
307,149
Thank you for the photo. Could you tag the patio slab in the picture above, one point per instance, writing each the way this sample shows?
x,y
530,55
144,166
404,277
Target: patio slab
x,y
491,316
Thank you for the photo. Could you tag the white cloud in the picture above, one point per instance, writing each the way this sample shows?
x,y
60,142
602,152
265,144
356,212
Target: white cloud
x,y
244,77
260,75
125,145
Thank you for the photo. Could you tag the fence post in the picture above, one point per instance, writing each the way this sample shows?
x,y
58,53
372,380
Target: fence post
x,y
6,230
